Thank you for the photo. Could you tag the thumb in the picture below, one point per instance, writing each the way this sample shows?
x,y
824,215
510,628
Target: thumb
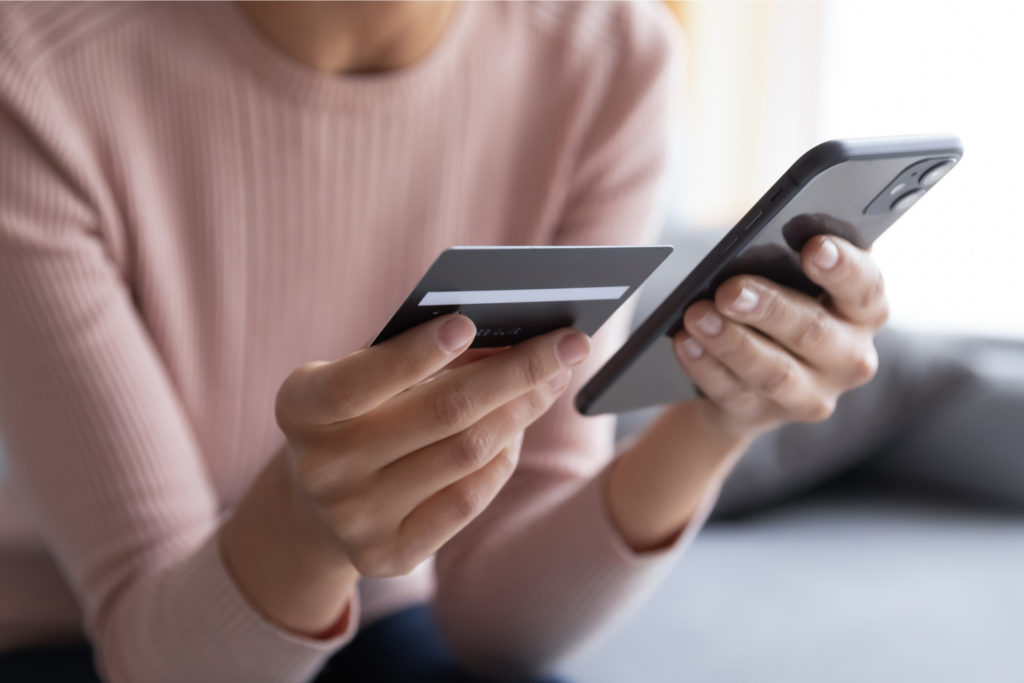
x,y
326,392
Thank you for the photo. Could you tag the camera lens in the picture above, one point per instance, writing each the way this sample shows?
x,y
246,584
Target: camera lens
x,y
935,173
906,201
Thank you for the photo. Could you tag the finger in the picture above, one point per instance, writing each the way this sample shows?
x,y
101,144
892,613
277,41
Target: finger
x,y
412,479
851,278
468,356
716,381
437,519
465,358
473,355
451,403
384,544
323,393
800,324
759,363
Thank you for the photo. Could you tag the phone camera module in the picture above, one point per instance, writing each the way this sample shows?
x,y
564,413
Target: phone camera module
x,y
907,187
906,201
936,172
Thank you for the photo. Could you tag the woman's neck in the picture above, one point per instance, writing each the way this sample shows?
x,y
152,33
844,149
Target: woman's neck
x,y
353,37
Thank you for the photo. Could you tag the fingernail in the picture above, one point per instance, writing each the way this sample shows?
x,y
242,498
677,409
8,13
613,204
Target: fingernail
x,y
827,255
455,334
559,382
746,301
691,347
517,442
572,349
710,323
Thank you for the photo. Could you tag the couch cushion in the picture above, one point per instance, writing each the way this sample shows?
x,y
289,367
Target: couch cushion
x,y
843,586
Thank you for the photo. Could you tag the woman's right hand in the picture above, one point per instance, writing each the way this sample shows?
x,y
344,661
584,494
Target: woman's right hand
x,y
395,458
386,459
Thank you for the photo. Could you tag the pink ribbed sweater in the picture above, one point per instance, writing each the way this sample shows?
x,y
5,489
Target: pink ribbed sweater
x,y
186,215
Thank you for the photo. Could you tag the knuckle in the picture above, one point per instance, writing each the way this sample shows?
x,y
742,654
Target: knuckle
x,y
397,559
778,379
732,349
883,315
313,474
413,363
864,366
813,331
351,519
716,386
464,504
471,449
326,472
533,368
453,408
522,411
525,410
531,406
820,410
507,460
374,559
875,291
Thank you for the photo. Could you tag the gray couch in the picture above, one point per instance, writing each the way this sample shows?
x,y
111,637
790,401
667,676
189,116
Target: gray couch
x,y
847,585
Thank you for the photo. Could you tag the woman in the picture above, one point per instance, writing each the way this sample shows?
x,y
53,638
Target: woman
x,y
200,202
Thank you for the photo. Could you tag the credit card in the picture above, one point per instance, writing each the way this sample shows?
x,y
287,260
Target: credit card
x,y
514,293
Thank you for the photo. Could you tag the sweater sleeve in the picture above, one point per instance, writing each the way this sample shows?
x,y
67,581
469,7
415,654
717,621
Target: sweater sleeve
x,y
543,569
97,442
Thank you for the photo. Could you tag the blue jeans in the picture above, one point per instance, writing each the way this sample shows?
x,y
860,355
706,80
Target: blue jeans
x,y
404,647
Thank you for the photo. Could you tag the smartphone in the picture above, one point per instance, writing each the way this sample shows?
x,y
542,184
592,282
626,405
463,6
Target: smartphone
x,y
854,188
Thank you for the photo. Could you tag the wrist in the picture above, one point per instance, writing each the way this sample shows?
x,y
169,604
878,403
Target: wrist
x,y
714,423
657,484
283,559
694,438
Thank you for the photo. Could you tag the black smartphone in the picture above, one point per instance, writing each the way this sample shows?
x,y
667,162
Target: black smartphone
x,y
853,188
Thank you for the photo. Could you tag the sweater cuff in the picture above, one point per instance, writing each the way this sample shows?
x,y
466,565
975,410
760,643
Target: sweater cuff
x,y
247,645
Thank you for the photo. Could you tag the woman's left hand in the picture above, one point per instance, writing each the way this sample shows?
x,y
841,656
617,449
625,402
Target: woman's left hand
x,y
764,354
